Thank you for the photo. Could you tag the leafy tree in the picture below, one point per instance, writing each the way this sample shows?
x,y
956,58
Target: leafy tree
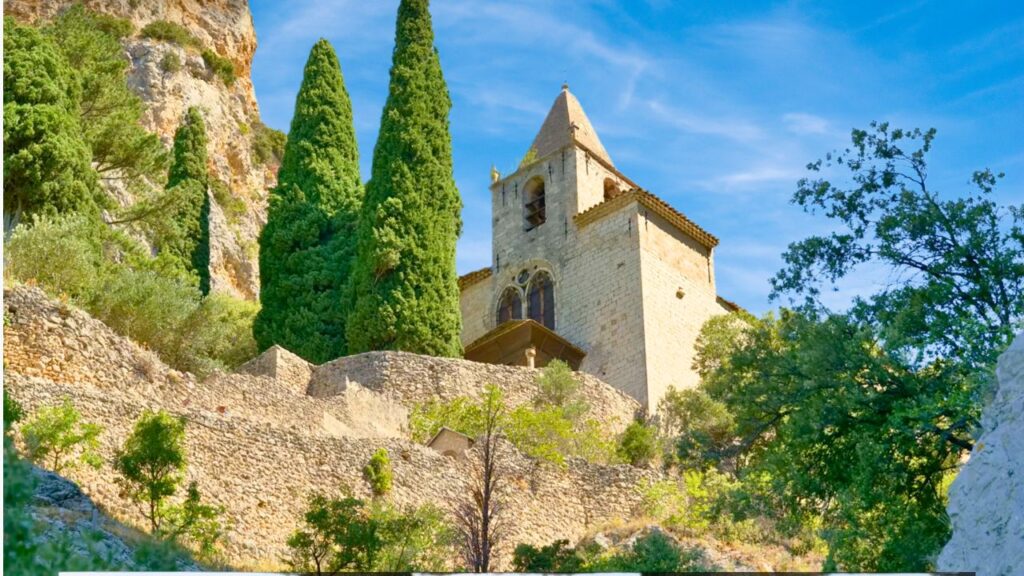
x,y
195,522
415,539
46,160
307,246
700,430
56,433
152,462
377,472
110,111
478,520
404,284
959,262
638,444
187,243
347,534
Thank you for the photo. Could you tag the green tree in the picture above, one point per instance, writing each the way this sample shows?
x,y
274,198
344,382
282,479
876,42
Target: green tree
x,y
377,472
152,463
960,260
405,290
638,444
187,241
696,429
195,522
46,160
346,533
308,244
57,436
109,110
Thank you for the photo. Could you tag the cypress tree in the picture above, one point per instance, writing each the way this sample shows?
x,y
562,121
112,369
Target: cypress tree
x,y
46,161
307,245
405,289
188,243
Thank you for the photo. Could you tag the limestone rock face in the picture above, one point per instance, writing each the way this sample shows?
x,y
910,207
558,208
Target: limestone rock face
x,y
231,113
986,501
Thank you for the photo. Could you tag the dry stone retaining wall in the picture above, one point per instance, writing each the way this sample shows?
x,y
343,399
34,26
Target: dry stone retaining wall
x,y
260,446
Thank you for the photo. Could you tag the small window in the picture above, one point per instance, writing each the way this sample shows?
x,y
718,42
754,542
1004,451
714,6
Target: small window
x,y
541,300
510,306
611,189
534,208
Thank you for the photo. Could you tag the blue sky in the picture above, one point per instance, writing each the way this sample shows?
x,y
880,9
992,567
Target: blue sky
x,y
714,106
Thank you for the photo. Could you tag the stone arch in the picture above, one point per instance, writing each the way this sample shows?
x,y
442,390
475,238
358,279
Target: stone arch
x,y
534,203
510,305
540,299
611,189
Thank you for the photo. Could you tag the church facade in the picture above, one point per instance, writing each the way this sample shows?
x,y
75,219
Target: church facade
x,y
589,267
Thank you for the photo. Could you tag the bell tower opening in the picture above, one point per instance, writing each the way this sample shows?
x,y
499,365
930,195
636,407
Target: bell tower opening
x,y
534,209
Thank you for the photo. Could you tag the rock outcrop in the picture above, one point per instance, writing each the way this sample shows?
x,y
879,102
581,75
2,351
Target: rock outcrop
x,y
231,112
67,514
986,501
261,440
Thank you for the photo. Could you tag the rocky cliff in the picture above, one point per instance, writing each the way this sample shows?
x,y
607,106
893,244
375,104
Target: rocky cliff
x,y
986,501
231,112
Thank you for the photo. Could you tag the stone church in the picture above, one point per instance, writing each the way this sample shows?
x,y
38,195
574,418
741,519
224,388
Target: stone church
x,y
590,268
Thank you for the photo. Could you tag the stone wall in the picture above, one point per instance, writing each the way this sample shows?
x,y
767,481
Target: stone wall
x,y
986,501
259,445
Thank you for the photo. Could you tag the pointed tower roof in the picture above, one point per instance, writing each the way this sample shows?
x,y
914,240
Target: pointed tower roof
x,y
565,120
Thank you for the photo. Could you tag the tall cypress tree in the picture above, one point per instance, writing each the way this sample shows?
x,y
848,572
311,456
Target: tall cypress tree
x,y
405,289
188,243
307,246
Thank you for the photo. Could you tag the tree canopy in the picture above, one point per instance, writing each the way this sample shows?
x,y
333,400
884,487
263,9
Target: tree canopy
x,y
404,284
859,418
308,243
46,159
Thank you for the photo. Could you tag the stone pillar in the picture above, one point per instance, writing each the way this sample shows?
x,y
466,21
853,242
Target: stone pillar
x,y
531,357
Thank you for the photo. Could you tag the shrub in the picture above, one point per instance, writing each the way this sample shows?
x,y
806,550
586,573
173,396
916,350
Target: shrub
x,y
56,433
638,444
377,472
170,32
74,241
12,412
461,414
268,144
139,297
233,206
346,533
220,66
555,557
152,462
170,63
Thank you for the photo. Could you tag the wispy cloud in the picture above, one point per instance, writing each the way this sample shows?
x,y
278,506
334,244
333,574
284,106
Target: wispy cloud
x,y
803,123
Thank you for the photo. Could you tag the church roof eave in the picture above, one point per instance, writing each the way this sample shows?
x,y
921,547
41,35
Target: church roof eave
x,y
654,204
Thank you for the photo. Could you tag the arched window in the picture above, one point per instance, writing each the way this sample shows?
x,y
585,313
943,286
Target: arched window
x,y
611,189
533,209
510,306
541,300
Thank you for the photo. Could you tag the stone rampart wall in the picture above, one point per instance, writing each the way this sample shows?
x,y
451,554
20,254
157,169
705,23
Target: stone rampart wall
x,y
259,446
